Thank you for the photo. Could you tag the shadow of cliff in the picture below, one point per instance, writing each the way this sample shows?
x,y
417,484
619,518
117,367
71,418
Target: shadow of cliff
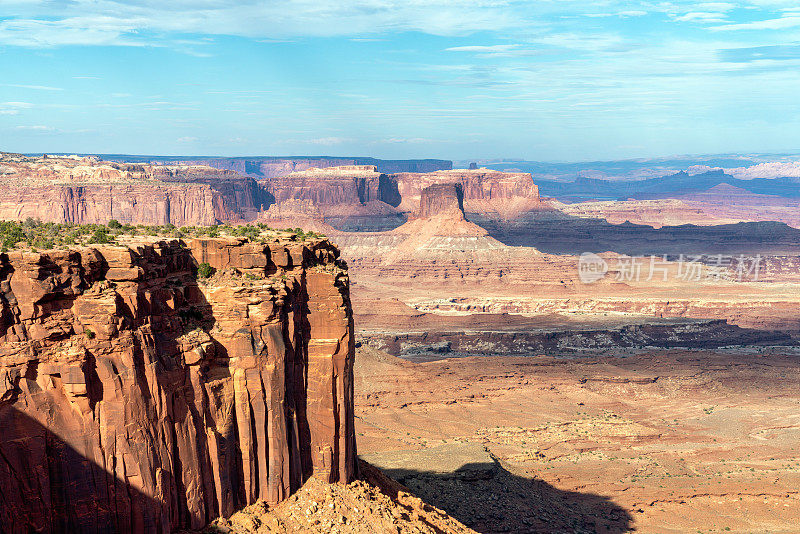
x,y
559,233
49,485
490,499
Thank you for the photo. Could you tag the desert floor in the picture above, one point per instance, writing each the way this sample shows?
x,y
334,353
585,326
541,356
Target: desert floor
x,y
659,441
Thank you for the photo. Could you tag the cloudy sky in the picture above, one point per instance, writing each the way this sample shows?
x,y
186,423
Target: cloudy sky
x,y
548,80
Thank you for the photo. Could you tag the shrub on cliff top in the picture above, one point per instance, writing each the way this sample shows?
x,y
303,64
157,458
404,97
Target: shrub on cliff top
x,y
33,233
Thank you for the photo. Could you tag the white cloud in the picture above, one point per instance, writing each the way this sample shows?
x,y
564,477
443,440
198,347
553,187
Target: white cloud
x,y
187,139
715,6
701,16
32,87
491,48
783,23
13,108
622,14
36,128
79,30
405,140
127,23
328,141
495,51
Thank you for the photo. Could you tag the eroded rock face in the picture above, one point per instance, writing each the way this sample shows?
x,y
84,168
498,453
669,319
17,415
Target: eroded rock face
x,y
440,198
350,184
483,189
348,197
85,190
135,398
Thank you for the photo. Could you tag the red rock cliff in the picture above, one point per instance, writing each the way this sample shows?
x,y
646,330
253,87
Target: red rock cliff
x,y
483,189
85,190
346,184
351,197
136,398
440,198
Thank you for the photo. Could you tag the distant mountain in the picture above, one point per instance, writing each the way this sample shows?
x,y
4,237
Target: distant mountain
x,y
671,186
635,169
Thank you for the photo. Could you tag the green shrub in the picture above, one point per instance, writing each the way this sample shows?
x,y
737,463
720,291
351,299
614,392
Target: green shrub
x,y
100,236
114,224
204,270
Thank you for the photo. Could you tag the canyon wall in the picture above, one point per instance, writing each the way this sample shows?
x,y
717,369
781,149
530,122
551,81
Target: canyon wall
x,y
484,190
347,198
360,198
135,204
440,198
349,184
85,190
137,397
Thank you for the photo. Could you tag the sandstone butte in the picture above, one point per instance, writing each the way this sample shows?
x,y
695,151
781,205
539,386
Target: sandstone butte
x,y
136,397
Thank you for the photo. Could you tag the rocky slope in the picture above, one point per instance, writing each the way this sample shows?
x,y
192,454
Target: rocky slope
x,y
137,397
86,190
374,504
438,231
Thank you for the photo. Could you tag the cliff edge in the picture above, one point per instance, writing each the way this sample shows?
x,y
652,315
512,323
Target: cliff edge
x,y
140,395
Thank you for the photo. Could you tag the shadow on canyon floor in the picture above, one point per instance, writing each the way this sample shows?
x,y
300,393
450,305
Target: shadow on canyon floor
x,y
560,233
488,498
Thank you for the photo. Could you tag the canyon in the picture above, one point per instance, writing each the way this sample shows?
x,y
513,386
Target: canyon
x,y
487,364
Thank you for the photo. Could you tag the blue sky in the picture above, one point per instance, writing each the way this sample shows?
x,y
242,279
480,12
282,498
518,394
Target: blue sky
x,y
551,80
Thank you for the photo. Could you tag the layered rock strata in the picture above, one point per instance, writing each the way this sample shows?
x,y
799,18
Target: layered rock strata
x,y
348,198
85,190
441,198
487,192
359,198
135,397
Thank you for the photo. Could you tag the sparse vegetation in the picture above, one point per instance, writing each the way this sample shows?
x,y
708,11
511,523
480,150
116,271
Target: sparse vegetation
x,y
36,235
100,236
